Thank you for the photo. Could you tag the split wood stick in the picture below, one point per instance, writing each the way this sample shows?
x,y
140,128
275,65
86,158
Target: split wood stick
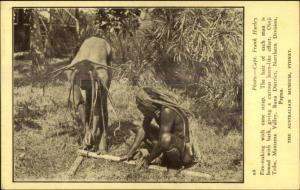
x,y
131,162
75,165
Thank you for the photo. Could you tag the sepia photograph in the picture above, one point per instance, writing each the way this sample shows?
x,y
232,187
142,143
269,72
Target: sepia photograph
x,y
128,94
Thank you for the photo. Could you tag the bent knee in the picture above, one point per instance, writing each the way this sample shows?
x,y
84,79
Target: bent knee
x,y
165,140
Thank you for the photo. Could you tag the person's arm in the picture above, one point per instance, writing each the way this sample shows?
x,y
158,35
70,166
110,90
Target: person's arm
x,y
166,122
138,139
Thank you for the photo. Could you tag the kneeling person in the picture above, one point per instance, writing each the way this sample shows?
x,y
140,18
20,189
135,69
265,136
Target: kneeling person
x,y
170,138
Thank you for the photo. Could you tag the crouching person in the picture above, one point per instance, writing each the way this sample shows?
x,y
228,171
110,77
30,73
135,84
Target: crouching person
x,y
169,139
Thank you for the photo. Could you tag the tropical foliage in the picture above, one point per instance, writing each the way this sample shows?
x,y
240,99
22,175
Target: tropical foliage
x,y
196,50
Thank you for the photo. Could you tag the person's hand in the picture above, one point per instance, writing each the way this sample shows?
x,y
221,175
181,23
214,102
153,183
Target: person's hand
x,y
125,158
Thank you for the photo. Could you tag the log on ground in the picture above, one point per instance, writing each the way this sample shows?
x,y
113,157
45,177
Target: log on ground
x,y
132,162
75,165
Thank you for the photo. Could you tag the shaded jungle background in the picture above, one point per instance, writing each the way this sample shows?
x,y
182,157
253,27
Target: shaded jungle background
x,y
195,54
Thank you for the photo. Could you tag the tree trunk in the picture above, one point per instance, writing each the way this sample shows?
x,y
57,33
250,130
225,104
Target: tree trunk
x,y
121,48
36,44
49,52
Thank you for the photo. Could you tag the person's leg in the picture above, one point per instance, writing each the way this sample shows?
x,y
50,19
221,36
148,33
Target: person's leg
x,y
171,158
103,122
90,133
175,154
77,102
101,112
152,134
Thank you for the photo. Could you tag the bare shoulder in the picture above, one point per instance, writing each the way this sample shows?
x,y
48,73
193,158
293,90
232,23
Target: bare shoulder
x,y
168,112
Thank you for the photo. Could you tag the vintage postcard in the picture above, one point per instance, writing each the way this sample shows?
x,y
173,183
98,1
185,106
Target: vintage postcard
x,y
150,95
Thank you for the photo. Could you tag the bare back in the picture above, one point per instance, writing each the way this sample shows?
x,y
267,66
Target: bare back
x,y
95,50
